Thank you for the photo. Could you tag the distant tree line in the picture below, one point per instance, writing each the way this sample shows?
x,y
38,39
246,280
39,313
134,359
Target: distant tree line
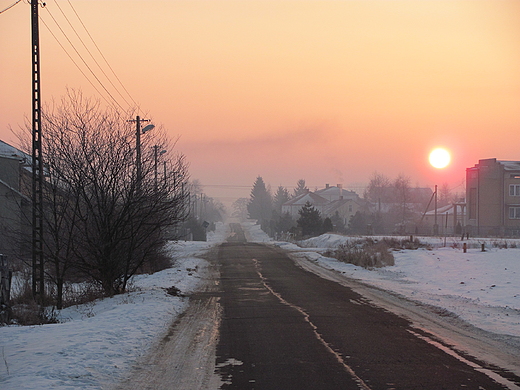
x,y
390,206
267,210
204,212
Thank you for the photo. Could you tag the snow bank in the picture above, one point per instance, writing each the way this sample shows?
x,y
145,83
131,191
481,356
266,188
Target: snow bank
x,y
98,342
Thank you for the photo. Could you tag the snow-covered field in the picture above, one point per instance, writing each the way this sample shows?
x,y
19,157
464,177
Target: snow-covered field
x,y
96,344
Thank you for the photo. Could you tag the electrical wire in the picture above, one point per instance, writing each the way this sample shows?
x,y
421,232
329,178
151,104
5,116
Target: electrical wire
x,y
90,53
11,6
83,60
74,62
99,50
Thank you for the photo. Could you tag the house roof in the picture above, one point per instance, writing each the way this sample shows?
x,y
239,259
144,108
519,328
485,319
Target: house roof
x,y
334,191
14,190
307,197
7,150
443,210
336,204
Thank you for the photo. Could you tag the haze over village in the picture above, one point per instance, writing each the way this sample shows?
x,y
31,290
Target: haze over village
x,y
154,155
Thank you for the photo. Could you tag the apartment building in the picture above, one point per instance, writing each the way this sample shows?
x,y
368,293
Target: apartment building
x,y
493,198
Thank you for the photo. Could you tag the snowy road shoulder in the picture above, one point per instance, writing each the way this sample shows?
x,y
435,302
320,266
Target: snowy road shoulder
x,y
481,288
97,343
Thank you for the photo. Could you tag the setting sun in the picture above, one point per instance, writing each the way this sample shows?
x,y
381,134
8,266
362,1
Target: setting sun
x,y
440,158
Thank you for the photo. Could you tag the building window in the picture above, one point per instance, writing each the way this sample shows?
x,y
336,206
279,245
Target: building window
x,y
514,212
349,208
514,189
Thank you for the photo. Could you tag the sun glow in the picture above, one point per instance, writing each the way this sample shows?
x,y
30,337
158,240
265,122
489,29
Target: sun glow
x,y
440,158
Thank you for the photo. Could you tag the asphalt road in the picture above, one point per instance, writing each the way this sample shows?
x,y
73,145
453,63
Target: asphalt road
x,y
285,328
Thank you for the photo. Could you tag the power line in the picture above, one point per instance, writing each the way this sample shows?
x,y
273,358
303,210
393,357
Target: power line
x,y
90,53
99,50
74,62
11,6
83,60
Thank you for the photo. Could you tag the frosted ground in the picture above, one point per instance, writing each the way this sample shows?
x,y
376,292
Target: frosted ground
x,y
97,343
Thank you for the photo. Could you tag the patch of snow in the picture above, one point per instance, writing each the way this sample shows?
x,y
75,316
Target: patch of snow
x,y
96,343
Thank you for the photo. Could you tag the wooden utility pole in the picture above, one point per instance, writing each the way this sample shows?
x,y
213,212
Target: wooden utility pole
x,y
38,287
138,133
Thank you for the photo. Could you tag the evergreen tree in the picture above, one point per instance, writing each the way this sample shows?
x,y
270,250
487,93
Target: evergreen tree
x,y
259,206
327,225
301,188
310,220
337,222
281,196
285,223
358,223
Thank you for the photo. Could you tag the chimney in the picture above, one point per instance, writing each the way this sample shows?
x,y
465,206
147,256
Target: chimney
x,y
326,186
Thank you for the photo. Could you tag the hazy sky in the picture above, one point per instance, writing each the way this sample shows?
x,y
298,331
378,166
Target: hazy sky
x,y
328,91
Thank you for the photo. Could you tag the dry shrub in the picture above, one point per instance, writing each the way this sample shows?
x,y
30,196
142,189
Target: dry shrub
x,y
365,253
30,314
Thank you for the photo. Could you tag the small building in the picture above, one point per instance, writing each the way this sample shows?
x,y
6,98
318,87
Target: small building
x,y
332,201
344,209
450,220
15,202
493,198
294,205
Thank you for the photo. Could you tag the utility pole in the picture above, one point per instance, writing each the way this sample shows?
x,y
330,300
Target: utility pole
x,y
138,133
435,225
138,148
38,286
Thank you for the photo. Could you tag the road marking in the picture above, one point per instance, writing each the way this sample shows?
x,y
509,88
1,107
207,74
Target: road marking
x,y
362,385
493,375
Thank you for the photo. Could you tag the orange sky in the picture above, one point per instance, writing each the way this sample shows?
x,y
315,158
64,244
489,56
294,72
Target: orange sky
x,y
328,91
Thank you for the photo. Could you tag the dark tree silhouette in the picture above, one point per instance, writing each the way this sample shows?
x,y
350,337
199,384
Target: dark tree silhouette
x,y
100,218
310,220
259,206
280,197
300,189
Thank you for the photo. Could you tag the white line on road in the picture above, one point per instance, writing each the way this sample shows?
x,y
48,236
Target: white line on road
x,y
362,385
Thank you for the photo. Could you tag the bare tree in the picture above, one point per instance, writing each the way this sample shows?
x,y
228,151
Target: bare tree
x,y
101,219
378,190
402,199
445,195
240,208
